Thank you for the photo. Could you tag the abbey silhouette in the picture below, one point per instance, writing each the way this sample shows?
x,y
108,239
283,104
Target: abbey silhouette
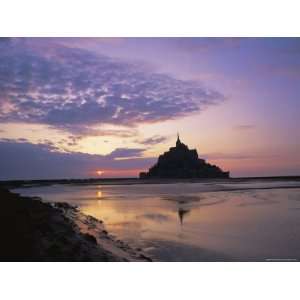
x,y
181,162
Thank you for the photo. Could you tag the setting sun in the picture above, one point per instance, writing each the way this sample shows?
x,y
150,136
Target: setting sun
x,y
99,172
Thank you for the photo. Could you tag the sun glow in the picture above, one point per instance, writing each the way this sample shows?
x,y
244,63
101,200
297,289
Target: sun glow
x,y
99,173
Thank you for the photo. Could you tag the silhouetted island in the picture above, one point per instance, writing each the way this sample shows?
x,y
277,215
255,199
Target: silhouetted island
x,y
181,162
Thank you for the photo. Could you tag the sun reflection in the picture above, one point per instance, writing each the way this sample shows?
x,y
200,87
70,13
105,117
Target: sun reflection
x,y
99,194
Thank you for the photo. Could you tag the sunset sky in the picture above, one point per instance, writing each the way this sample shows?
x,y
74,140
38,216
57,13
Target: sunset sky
x,y
107,107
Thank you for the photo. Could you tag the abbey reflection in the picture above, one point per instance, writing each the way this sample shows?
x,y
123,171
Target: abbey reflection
x,y
182,213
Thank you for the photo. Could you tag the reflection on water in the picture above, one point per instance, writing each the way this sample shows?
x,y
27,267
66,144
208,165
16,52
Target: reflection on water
x,y
181,213
185,222
99,194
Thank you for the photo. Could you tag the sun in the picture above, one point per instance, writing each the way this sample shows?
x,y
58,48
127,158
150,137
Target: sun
x,y
99,172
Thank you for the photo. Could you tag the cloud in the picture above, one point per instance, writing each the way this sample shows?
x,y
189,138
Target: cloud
x,y
92,131
126,153
24,160
73,89
153,140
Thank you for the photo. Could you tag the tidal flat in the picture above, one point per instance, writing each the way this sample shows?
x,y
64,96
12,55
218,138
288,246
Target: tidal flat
x,y
250,220
32,230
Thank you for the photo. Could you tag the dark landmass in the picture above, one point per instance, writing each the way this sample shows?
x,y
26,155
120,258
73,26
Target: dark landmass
x,y
181,162
32,230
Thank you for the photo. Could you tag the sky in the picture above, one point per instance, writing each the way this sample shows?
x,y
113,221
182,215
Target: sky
x,y
107,107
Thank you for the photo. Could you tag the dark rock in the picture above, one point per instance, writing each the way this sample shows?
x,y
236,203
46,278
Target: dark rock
x,y
64,205
31,230
181,162
90,238
145,257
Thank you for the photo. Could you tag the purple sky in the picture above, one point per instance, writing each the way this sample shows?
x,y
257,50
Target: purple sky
x,y
72,106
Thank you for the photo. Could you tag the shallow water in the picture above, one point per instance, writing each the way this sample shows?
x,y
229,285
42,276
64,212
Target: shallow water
x,y
194,221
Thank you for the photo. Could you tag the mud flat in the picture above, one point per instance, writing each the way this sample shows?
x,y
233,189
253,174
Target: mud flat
x,y
32,230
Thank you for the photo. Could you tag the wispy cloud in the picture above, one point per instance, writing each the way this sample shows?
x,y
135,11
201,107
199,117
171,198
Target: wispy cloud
x,y
85,130
24,160
73,89
126,153
153,140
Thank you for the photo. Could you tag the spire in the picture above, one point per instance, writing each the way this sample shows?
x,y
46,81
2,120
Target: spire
x,y
178,142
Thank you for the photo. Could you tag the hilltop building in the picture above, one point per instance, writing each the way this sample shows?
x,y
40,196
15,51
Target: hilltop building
x,y
181,162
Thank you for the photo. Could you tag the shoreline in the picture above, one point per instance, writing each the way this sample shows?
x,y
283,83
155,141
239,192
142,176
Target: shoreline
x,y
11,184
217,184
33,230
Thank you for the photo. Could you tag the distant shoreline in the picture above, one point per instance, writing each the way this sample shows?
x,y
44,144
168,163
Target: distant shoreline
x,y
132,181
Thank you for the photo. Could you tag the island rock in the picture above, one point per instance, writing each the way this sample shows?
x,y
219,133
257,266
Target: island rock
x,y
181,162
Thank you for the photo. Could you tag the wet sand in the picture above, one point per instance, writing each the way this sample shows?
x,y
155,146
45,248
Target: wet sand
x,y
207,221
32,230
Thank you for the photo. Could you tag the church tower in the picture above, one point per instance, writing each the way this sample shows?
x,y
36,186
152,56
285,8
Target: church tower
x,y
178,142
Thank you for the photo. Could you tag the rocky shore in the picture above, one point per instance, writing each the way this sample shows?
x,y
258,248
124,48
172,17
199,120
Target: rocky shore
x,y
32,230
